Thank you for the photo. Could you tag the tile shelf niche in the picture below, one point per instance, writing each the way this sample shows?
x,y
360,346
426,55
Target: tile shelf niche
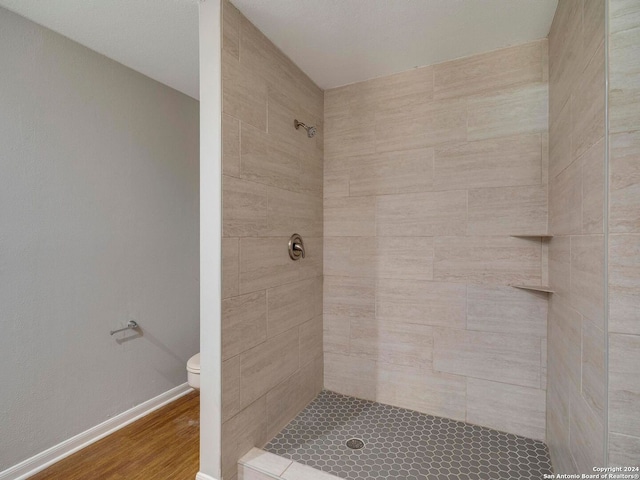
x,y
536,288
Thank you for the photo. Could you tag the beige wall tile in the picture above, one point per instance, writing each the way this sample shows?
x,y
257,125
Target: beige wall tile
x,y
420,125
244,211
395,172
586,437
560,151
355,376
266,160
336,331
351,297
507,210
230,387
264,263
495,162
311,265
336,176
398,343
623,450
400,90
490,71
405,258
492,308
289,305
564,343
593,166
230,267
230,29
422,214
230,146
311,341
421,389
593,365
543,363
587,277
291,212
350,256
243,432
624,194
422,302
510,112
266,365
624,283
349,217
507,358
593,14
588,121
507,408
624,80
244,93
624,383
565,201
623,15
560,265
487,260
244,323
287,399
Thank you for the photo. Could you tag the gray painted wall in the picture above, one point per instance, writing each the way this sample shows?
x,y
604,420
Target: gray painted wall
x,y
98,224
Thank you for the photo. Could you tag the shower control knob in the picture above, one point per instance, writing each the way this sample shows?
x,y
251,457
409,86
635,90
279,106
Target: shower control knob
x,y
296,247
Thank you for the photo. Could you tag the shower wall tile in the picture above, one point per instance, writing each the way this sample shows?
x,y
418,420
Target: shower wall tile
x,y
266,365
421,124
593,189
454,159
311,340
398,343
398,257
565,201
495,162
231,387
624,194
244,323
498,309
230,146
231,29
507,358
587,274
422,214
624,383
507,210
230,267
509,112
423,390
560,152
623,450
506,408
624,283
624,80
560,265
593,364
244,93
291,212
487,259
586,438
244,211
392,173
264,263
491,71
421,302
350,217
623,15
288,305
350,375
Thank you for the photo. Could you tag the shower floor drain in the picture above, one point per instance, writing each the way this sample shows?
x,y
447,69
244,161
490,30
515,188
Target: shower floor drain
x,y
355,443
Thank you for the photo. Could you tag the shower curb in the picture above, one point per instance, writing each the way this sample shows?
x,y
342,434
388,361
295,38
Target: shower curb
x,y
261,465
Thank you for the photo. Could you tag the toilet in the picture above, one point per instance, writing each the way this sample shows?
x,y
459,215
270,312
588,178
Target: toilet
x,y
193,371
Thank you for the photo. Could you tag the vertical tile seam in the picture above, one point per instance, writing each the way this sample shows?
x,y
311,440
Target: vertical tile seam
x,y
605,419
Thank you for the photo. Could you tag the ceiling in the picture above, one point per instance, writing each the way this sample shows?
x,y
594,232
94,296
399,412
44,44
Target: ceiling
x,y
336,42
158,38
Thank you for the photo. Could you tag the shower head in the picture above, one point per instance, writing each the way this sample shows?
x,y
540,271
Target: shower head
x,y
311,131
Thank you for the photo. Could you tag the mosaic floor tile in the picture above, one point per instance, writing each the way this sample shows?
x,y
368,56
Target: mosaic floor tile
x,y
401,444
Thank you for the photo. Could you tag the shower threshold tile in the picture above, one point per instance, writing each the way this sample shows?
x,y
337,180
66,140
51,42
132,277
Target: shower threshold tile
x,y
401,444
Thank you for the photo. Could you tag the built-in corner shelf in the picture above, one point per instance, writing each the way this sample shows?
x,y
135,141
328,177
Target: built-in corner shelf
x,y
536,288
532,235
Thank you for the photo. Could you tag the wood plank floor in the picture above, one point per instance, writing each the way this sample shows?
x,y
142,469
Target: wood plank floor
x,y
162,445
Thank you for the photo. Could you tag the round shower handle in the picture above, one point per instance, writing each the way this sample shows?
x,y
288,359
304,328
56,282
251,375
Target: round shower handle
x,y
296,247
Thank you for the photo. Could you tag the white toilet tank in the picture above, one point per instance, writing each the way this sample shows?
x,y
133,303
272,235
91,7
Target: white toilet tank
x,y
193,371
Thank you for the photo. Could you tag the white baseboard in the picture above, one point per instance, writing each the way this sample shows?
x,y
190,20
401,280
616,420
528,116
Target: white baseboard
x,y
39,462
203,476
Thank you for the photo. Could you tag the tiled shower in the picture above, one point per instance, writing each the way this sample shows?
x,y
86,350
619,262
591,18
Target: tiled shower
x,y
426,199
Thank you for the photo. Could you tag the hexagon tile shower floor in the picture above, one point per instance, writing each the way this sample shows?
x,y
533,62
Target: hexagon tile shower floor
x,y
401,444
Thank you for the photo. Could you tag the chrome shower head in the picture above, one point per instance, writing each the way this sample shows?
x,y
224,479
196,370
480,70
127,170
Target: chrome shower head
x,y
311,131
